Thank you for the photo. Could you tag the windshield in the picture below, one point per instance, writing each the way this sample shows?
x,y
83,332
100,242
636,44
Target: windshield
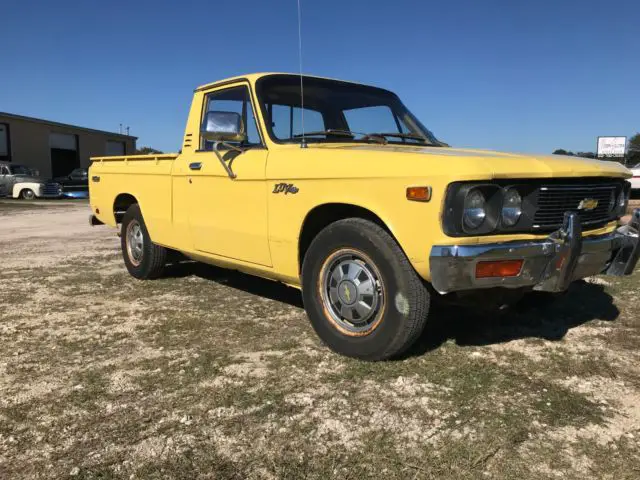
x,y
336,111
20,170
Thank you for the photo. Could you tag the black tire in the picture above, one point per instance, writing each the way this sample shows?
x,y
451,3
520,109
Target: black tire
x,y
27,194
403,298
145,261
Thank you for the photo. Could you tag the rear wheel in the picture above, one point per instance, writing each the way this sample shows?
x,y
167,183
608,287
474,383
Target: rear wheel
x,y
27,194
143,258
363,297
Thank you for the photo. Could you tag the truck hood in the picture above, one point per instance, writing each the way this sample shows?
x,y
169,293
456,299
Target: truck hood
x,y
488,164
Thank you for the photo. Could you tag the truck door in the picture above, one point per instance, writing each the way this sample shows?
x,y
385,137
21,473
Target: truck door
x,y
228,216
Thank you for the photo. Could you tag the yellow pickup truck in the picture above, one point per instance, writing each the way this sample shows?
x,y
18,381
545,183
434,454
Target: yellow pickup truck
x,y
343,193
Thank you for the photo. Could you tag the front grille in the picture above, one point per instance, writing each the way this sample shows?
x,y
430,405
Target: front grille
x,y
51,189
555,200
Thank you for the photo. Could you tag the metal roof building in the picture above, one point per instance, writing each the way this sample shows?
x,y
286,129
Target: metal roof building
x,y
54,149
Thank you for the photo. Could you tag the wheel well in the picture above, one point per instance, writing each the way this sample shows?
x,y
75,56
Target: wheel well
x,y
121,204
323,215
22,189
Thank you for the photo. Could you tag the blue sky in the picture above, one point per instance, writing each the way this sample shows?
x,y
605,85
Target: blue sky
x,y
507,75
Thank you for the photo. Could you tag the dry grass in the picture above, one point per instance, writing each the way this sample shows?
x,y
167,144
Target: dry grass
x,y
211,374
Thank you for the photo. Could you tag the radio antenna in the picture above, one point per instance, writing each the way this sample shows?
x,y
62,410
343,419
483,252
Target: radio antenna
x,y
303,142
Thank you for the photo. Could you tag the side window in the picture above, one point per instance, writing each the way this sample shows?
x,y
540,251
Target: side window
x,y
236,100
376,119
286,121
4,171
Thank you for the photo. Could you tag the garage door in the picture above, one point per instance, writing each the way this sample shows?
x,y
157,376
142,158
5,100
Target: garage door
x,y
4,142
64,153
115,148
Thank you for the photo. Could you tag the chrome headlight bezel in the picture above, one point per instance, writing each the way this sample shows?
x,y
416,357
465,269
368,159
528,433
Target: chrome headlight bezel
x,y
474,210
511,211
458,198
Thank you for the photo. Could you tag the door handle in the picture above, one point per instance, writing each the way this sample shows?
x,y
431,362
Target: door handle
x,y
195,165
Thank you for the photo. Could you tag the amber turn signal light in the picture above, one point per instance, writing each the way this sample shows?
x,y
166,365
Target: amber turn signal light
x,y
419,194
502,268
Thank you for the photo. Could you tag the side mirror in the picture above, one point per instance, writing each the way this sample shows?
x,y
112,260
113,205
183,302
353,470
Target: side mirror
x,y
223,127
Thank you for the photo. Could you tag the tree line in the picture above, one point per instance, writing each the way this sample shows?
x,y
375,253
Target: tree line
x,y
632,157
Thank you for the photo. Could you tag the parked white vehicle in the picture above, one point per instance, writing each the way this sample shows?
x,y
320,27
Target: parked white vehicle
x,y
31,190
19,181
635,181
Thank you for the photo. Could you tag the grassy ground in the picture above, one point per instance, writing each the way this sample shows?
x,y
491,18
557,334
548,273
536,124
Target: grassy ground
x,y
212,374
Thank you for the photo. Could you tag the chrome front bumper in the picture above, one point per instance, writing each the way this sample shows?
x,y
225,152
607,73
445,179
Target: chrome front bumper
x,y
550,265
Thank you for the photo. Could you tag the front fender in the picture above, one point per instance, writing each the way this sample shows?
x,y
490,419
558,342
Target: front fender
x,y
18,187
414,225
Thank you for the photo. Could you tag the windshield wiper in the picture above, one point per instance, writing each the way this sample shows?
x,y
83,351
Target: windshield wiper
x,y
411,136
377,137
331,131
343,133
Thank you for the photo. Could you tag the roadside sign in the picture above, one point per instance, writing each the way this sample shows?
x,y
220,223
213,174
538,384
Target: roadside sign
x,y
612,146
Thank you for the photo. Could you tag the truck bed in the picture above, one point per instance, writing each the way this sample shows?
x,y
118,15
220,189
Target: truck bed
x,y
145,178
136,158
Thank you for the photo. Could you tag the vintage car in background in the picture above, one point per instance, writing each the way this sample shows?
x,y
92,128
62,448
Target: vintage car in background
x,y
74,185
20,181
361,207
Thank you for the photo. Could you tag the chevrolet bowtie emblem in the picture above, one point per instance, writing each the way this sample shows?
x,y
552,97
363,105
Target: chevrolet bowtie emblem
x,y
347,293
588,204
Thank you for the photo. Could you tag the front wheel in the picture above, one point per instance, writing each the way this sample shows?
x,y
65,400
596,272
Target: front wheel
x,y
27,194
363,297
143,258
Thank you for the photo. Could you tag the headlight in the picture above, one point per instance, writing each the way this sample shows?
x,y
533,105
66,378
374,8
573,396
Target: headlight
x,y
623,200
511,207
474,209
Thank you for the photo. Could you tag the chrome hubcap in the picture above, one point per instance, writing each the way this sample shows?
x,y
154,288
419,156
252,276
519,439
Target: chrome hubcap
x,y
135,242
352,291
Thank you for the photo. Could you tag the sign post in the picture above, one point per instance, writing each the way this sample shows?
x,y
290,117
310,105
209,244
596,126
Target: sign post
x,y
612,147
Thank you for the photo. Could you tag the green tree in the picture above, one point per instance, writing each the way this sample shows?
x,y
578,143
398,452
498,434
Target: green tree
x,y
147,151
562,151
633,150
